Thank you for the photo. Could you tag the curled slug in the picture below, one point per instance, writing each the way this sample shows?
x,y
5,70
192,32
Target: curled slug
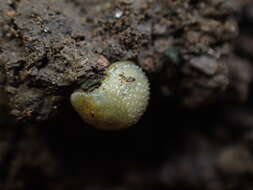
x,y
120,100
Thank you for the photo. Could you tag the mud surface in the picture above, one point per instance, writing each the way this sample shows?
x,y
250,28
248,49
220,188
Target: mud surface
x,y
197,131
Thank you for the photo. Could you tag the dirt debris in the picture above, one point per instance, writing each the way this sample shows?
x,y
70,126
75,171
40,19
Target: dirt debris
x,y
48,48
49,59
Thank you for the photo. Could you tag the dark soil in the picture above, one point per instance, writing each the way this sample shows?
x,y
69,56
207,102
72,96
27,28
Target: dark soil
x,y
198,130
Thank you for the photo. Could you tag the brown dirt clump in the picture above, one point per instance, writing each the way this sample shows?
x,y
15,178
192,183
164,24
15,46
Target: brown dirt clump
x,y
50,47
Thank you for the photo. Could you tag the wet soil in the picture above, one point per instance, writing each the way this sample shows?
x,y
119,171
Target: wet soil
x,y
197,131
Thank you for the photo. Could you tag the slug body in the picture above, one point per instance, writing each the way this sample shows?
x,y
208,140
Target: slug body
x,y
118,102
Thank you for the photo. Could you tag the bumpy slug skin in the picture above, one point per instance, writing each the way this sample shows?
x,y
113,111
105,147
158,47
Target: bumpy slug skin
x,y
118,102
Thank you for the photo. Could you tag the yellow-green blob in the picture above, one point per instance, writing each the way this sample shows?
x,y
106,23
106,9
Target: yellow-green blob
x,y
118,102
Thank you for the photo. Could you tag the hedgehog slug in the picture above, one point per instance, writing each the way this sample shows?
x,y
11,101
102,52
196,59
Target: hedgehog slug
x,y
120,100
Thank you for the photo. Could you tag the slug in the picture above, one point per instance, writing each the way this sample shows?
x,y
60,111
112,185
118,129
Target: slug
x,y
120,100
